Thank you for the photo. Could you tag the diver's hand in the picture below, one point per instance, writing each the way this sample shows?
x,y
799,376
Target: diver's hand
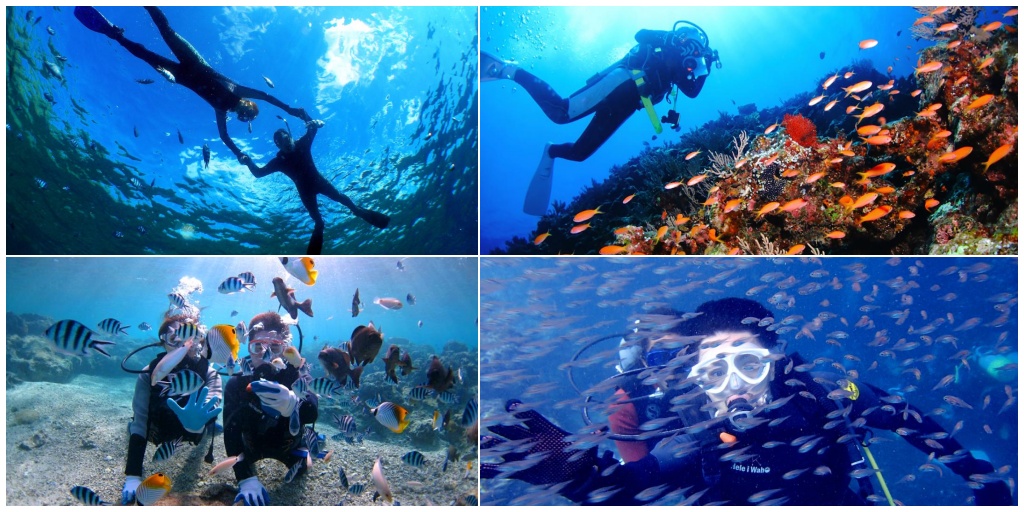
x,y
244,159
252,493
559,465
197,411
314,123
131,483
275,396
301,114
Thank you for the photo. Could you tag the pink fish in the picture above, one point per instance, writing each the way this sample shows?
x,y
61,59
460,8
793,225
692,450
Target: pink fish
x,y
388,303
168,363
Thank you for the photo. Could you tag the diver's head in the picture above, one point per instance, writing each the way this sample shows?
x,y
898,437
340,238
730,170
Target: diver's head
x,y
246,110
178,329
269,336
284,140
734,358
694,55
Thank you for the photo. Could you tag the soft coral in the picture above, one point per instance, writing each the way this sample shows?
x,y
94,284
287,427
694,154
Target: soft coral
x,y
801,129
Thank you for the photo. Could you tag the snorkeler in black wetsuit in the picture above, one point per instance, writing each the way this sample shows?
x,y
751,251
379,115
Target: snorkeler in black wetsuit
x,y
638,81
193,72
295,160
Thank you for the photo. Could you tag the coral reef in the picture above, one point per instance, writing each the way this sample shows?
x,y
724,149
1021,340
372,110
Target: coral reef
x,y
921,164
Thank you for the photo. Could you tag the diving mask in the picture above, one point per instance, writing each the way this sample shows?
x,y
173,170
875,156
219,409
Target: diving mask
x,y
734,371
263,342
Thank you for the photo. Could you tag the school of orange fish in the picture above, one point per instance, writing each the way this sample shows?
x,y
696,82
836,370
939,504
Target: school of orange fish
x,y
822,214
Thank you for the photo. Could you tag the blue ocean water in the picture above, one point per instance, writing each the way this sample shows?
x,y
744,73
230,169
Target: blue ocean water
x,y
768,55
100,169
134,290
550,326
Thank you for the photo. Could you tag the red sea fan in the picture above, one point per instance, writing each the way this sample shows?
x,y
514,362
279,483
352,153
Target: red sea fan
x,y
801,130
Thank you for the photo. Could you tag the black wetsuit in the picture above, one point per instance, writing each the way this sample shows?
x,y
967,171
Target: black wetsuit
x,y
155,422
653,56
808,457
249,430
298,165
193,72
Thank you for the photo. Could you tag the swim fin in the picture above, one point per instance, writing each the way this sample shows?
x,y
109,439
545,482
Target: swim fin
x,y
377,219
539,194
93,20
493,68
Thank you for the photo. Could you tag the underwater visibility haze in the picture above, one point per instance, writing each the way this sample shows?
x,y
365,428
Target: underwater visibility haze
x,y
785,145
106,154
66,415
937,336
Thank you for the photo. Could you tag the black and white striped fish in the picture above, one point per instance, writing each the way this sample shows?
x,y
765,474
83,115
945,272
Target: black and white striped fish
x,y
185,332
344,479
324,386
392,416
346,423
414,459
234,285
294,471
75,339
177,300
470,414
420,392
87,496
357,488
248,278
166,450
112,326
184,382
448,397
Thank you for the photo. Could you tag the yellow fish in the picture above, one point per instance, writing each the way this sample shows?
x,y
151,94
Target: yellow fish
x,y
153,489
301,268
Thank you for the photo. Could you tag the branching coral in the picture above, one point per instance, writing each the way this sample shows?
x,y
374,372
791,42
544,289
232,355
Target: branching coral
x,y
722,163
963,16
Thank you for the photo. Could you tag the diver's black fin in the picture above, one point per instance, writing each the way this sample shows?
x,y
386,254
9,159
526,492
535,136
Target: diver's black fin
x,y
377,219
93,20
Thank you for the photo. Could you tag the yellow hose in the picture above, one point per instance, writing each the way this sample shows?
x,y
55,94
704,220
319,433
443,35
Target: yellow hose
x,y
878,475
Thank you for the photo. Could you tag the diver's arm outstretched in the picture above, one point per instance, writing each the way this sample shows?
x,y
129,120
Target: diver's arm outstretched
x,y
306,142
248,92
272,166
222,129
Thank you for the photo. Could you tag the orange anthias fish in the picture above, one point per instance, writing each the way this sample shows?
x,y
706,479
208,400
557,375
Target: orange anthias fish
x,y
790,173
857,87
992,26
541,237
814,177
1011,12
796,249
848,74
586,214
579,228
680,219
885,190
923,20
836,235
931,203
815,100
674,184
928,68
980,102
767,208
661,232
998,155
628,198
732,205
939,10
830,104
946,27
793,205
879,170
904,214
829,81
878,140
915,92
956,156
695,180
693,154
876,214
870,111
864,200
868,43
613,249
771,128
868,130
771,160
985,63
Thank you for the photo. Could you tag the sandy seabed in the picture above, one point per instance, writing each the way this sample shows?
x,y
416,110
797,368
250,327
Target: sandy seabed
x,y
63,435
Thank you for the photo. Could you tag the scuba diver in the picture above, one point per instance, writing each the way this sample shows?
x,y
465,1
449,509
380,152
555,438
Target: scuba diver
x,y
222,93
713,411
641,79
266,407
295,160
161,417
